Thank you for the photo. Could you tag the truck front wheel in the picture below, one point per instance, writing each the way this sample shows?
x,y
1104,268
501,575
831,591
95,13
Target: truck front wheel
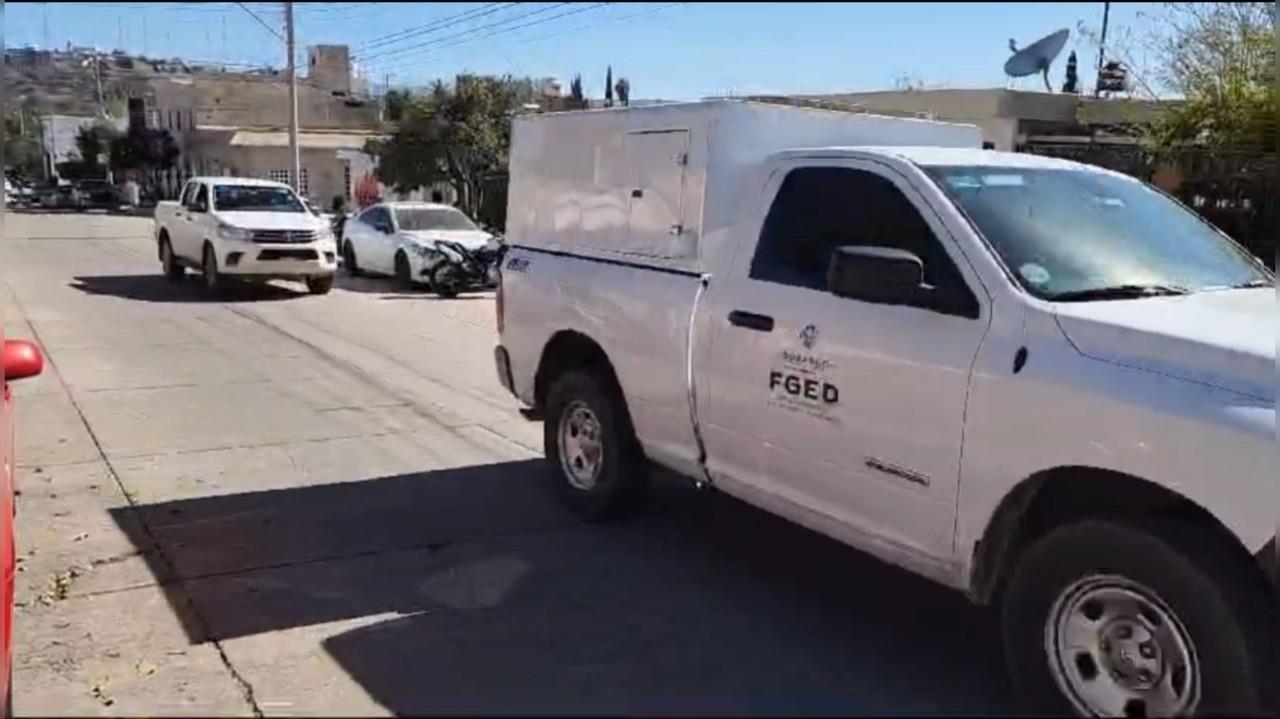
x,y
596,463
1102,618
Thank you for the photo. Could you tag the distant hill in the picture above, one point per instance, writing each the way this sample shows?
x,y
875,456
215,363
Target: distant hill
x,y
64,82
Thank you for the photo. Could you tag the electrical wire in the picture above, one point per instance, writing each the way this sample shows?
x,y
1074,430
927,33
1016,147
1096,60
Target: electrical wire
x,y
261,22
439,24
413,49
418,55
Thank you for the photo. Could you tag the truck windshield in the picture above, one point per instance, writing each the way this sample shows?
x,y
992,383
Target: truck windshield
x,y
255,198
1077,235
432,218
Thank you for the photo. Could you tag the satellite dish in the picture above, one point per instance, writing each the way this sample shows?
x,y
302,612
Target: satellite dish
x,y
1036,57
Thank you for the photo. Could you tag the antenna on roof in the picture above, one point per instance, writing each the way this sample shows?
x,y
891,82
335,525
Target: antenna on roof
x,y
1036,57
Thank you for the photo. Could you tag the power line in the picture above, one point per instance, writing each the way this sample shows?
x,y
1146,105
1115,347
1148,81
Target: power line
x,y
588,26
261,22
502,31
413,48
439,24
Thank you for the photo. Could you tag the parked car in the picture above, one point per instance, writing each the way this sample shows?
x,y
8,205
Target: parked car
x,y
58,197
21,359
228,227
1041,383
97,195
403,239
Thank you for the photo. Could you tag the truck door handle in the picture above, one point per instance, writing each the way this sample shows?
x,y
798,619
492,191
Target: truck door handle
x,y
751,320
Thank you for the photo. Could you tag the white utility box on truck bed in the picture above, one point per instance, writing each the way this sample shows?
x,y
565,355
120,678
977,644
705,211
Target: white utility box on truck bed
x,y
652,182
1042,383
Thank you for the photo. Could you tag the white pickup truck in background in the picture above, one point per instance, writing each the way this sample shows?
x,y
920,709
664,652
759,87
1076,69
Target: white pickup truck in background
x,y
1042,383
247,229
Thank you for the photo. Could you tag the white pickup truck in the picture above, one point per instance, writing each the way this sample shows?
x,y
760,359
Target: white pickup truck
x,y
1042,383
247,229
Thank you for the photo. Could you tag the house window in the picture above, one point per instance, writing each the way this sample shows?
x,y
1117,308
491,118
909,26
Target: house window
x,y
284,177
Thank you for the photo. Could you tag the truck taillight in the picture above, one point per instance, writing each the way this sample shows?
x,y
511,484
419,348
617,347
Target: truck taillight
x,y
499,305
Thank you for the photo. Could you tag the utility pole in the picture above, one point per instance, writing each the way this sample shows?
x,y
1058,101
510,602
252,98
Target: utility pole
x,y
1102,50
296,174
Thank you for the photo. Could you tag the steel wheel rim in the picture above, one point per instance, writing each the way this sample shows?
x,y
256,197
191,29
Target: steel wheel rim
x,y
581,448
1116,649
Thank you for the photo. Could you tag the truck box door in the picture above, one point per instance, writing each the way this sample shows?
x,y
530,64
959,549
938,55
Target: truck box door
x,y
655,213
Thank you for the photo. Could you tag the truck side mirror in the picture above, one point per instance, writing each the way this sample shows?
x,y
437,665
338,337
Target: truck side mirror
x,y
876,274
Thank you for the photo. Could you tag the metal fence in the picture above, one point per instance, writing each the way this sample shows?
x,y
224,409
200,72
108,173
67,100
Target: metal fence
x,y
1236,191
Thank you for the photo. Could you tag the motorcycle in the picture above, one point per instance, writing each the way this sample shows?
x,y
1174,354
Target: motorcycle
x,y
453,268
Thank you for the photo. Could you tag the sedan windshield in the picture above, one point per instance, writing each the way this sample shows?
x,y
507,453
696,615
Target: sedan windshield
x,y
432,218
1074,235
255,198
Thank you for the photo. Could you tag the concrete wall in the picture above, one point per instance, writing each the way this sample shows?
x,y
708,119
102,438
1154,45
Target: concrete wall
x,y
242,101
323,169
329,67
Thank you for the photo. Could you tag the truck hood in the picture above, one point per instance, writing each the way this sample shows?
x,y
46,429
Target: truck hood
x,y
470,239
1223,338
272,220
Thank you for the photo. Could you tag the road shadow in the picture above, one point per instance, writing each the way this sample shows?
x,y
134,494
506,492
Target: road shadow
x,y
371,284
699,604
428,295
156,288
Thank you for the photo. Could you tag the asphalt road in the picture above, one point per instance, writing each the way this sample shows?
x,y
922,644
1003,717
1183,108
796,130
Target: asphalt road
x,y
282,504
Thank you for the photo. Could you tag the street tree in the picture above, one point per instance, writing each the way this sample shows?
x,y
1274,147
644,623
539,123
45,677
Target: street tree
x,y
459,135
623,88
93,143
23,156
575,92
144,149
395,102
608,87
1221,58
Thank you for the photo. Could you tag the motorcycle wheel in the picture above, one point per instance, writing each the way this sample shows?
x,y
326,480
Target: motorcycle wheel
x,y
445,281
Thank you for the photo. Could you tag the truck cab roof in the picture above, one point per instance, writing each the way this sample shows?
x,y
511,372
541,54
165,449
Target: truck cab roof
x,y
947,156
250,181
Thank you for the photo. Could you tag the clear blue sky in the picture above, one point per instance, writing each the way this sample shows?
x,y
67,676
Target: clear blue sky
x,y
666,50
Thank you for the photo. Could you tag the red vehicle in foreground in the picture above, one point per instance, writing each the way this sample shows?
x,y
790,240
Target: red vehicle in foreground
x,y
21,359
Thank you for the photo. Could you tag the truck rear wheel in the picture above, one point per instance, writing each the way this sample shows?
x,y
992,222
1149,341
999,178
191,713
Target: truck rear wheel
x,y
172,270
596,463
1108,619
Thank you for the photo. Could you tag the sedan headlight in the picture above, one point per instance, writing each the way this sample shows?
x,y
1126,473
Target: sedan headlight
x,y
234,234
424,250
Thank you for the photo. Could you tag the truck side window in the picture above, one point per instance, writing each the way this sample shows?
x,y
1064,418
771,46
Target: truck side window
x,y
185,198
819,209
199,199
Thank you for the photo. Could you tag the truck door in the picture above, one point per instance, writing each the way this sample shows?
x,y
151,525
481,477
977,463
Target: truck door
x,y
655,213
848,408
190,227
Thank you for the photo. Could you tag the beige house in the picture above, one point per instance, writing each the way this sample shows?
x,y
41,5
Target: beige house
x,y
237,124
1010,119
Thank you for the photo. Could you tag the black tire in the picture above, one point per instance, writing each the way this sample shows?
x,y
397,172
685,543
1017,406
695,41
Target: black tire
x,y
404,272
622,476
444,281
173,271
320,285
349,260
213,278
1220,607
